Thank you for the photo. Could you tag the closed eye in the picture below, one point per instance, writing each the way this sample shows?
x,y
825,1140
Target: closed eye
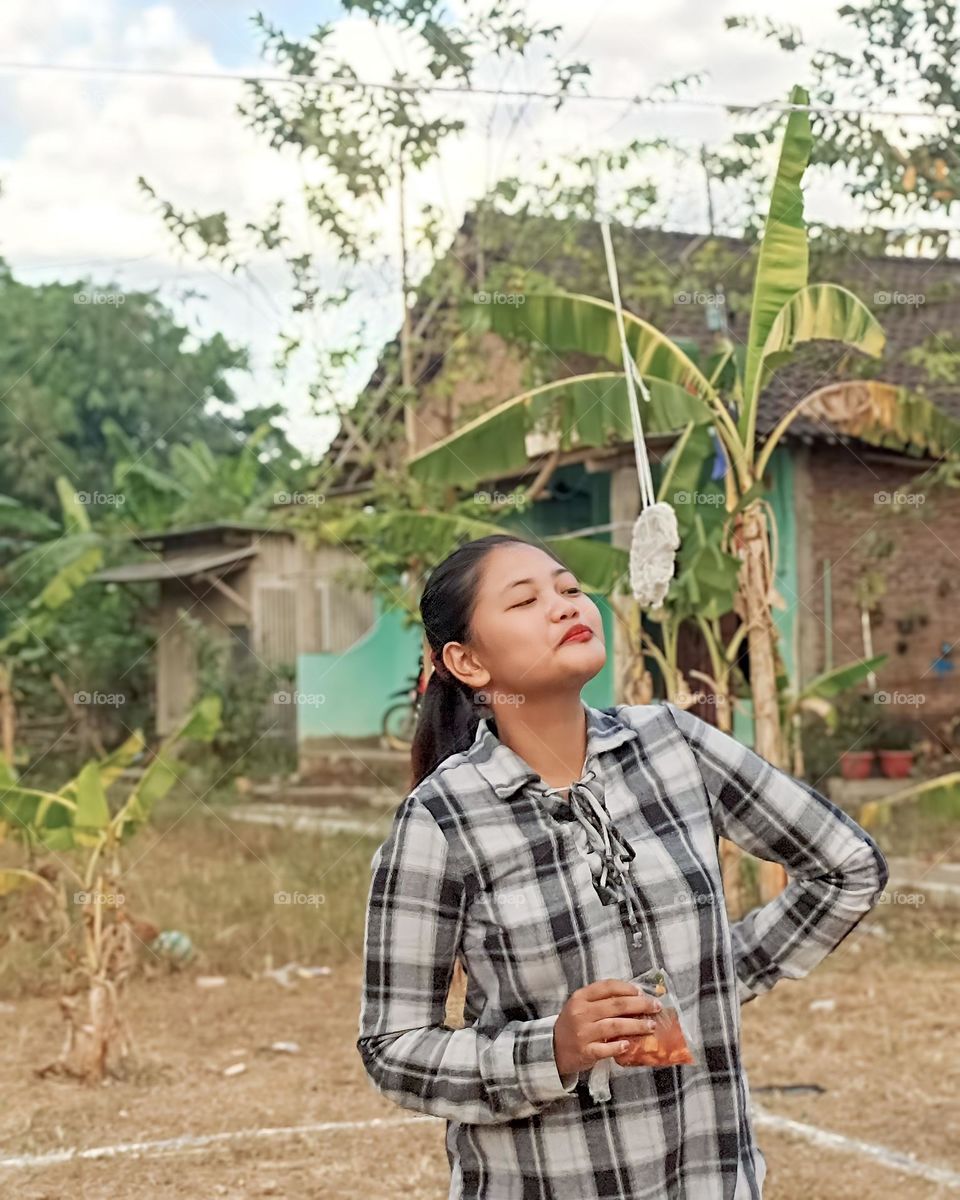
x,y
532,598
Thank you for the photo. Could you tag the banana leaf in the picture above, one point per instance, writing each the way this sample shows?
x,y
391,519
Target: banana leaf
x,y
840,679
783,264
882,414
939,797
584,410
566,321
200,725
825,312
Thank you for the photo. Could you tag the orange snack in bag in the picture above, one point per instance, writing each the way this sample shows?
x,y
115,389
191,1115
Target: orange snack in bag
x,y
667,1045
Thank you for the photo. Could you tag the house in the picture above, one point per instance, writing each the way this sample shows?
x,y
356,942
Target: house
x,y
842,531
259,589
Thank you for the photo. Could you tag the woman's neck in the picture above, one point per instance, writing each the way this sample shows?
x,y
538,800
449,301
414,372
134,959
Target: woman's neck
x,y
550,736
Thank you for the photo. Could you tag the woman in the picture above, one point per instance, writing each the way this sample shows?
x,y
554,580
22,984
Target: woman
x,y
559,851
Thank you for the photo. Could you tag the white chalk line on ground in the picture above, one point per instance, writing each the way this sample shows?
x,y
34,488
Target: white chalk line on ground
x,y
896,1159
190,1143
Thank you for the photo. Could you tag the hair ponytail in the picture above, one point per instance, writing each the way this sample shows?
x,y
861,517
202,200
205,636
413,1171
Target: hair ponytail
x,y
447,721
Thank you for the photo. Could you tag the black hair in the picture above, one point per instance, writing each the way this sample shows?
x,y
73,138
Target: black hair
x,y
449,713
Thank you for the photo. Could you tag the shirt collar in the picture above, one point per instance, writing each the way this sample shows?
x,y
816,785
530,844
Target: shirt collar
x,y
506,772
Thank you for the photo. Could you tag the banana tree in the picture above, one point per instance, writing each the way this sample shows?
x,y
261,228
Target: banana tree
x,y
787,310
78,820
815,697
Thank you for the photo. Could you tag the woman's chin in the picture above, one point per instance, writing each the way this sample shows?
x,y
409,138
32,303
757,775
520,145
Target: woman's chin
x,y
584,666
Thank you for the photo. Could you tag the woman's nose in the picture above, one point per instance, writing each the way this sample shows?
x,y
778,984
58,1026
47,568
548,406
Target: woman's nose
x,y
565,606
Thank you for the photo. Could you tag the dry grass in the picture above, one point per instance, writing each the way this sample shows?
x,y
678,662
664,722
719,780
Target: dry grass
x,y
195,870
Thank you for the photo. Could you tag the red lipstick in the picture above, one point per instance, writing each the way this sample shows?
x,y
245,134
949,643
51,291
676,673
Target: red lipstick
x,y
577,633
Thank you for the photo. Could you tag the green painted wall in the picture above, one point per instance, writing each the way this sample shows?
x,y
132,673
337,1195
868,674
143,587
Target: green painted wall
x,y
345,695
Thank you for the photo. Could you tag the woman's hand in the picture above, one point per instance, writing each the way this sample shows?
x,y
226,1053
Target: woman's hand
x,y
594,1017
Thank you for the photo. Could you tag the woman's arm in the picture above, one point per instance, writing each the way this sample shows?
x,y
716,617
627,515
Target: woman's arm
x,y
837,870
415,913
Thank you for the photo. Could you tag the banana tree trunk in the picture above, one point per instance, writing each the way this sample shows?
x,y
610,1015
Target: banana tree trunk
x,y
756,590
8,717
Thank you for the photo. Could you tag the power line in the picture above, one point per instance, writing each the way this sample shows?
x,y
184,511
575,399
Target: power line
x,y
643,102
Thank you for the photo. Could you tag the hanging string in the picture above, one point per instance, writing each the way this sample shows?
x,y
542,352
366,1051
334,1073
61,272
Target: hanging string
x,y
656,536
630,370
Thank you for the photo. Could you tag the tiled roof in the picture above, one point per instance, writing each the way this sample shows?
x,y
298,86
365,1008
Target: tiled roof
x,y
916,300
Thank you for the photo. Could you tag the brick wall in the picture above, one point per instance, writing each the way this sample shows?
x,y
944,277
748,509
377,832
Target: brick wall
x,y
842,516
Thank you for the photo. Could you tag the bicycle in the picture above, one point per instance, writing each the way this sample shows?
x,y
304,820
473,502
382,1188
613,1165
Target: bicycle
x,y
400,718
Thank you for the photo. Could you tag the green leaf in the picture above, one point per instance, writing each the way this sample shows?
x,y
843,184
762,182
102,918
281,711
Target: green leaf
x,y
783,264
201,723
92,810
584,410
69,579
820,311
75,518
565,322
118,760
840,679
17,518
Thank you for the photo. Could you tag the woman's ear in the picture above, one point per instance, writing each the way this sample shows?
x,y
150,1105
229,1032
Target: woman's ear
x,y
464,664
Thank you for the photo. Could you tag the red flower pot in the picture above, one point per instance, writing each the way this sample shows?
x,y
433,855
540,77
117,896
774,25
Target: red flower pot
x,y
856,764
896,764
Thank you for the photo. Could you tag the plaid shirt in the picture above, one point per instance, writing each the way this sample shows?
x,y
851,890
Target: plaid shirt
x,y
484,862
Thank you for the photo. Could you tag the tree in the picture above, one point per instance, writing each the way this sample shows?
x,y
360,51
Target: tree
x,y
77,361
360,148
905,172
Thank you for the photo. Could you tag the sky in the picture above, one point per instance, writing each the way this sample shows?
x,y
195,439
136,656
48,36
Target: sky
x,y
72,147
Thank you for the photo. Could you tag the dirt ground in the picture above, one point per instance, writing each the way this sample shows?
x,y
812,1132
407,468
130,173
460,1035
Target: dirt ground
x,y
885,1056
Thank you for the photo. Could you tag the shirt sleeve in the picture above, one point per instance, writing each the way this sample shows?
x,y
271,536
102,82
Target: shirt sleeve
x,y
414,921
836,870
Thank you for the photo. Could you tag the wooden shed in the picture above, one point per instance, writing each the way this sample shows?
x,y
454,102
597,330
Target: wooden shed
x,y
259,587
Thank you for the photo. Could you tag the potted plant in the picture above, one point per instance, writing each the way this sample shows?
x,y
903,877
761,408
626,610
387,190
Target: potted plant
x,y
895,740
854,736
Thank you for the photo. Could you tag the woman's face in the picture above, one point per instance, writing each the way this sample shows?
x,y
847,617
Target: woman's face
x,y
526,604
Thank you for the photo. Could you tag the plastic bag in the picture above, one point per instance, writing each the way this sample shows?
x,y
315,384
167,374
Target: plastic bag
x,y
667,1046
